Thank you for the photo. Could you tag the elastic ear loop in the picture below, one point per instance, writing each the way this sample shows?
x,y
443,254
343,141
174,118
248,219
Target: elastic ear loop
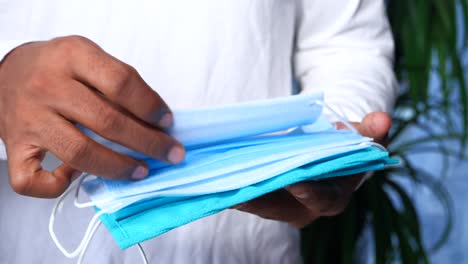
x,y
375,144
338,116
86,204
85,248
101,202
369,174
92,226
89,233
142,254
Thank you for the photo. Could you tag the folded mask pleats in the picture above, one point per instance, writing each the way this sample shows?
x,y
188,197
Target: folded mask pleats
x,y
223,165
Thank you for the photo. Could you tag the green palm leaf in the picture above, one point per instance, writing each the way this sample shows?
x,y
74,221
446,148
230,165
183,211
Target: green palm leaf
x,y
429,44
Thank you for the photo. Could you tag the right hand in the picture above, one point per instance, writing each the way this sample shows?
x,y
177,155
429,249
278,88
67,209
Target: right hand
x,y
47,87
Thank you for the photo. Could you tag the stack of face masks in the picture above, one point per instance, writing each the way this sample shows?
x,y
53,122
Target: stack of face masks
x,y
235,153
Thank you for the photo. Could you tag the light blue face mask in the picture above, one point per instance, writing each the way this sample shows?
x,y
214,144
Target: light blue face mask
x,y
230,159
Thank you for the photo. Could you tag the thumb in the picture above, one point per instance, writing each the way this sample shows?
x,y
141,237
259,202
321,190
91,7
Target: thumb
x,y
27,177
375,125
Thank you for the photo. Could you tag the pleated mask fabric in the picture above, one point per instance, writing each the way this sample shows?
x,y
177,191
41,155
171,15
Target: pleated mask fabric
x,y
235,153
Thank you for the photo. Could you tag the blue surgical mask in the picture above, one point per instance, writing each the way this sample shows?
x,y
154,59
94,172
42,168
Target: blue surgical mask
x,y
233,156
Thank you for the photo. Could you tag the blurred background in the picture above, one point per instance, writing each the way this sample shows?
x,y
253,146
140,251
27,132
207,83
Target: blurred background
x,y
415,213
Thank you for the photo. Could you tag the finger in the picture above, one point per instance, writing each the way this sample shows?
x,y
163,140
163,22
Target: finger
x,y
27,177
375,125
118,81
80,152
94,112
279,206
325,197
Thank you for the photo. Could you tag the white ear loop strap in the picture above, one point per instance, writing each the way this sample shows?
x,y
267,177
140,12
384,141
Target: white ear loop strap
x,y
92,226
142,254
86,204
89,233
85,247
338,116
91,229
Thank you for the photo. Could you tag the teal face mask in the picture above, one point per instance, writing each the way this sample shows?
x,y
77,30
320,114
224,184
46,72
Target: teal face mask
x,y
229,161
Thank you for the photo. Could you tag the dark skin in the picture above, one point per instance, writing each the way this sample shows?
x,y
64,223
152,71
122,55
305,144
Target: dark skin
x,y
47,87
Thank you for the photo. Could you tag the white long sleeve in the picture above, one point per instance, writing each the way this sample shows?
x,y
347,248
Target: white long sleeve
x,y
345,48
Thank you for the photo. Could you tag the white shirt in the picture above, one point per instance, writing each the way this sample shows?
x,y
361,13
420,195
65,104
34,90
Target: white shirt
x,y
205,52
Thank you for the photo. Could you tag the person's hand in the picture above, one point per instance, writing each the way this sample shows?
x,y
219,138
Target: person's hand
x,y
47,87
302,203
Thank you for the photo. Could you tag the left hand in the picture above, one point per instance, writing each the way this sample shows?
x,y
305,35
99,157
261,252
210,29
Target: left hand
x,y
302,203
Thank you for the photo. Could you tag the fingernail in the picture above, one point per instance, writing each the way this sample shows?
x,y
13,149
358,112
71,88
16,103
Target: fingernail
x,y
303,195
75,175
298,192
176,155
166,120
140,173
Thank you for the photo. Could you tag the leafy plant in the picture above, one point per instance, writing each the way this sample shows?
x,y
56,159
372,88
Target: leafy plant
x,y
431,38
